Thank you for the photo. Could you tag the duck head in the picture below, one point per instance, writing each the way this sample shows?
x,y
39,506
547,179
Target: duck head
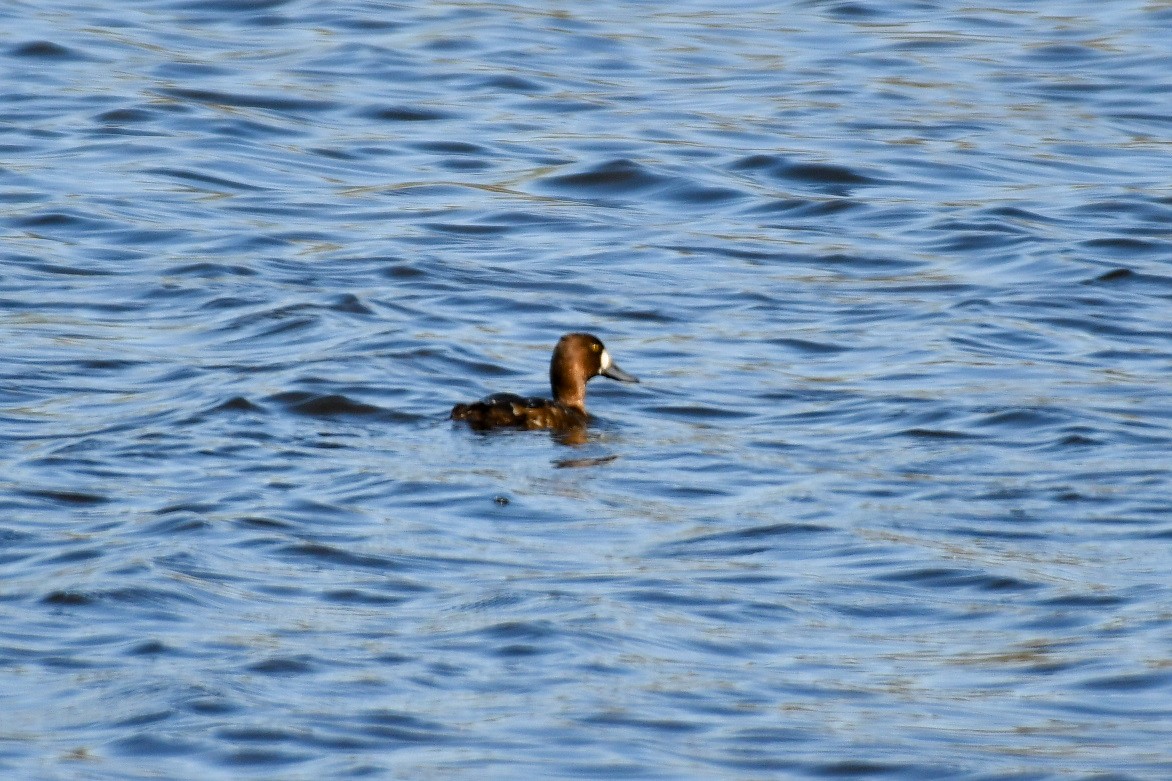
x,y
576,360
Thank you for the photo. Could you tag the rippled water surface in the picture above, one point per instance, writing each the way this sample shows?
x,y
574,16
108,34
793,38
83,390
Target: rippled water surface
x,y
892,500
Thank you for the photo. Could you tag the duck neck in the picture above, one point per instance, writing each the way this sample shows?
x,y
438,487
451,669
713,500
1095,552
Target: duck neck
x,y
568,391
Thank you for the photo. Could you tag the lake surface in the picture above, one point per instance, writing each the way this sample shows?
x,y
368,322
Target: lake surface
x,y
892,501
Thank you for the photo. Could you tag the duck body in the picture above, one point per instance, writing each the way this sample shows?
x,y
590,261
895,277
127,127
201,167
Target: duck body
x,y
508,410
577,358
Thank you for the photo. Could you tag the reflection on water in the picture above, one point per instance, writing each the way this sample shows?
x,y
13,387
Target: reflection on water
x,y
890,503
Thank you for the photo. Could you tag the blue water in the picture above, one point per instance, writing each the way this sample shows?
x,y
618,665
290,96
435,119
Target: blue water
x,y
893,500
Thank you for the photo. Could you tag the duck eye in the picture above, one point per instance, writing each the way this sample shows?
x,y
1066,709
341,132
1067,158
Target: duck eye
x,y
595,347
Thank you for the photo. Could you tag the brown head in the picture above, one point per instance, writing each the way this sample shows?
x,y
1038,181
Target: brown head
x,y
576,359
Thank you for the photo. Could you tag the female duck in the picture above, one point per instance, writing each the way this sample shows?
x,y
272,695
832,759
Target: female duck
x,y
576,359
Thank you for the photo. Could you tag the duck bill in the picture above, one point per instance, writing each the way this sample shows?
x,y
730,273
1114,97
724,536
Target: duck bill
x,y
615,373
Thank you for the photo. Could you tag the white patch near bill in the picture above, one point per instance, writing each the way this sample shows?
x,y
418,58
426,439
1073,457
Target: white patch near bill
x,y
605,359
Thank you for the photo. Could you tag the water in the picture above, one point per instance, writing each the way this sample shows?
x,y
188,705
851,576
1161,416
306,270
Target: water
x,y
892,500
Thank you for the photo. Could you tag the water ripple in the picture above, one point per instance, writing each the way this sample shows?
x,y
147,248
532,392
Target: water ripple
x,y
891,498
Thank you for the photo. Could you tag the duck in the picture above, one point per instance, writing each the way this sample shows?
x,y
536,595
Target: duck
x,y
577,358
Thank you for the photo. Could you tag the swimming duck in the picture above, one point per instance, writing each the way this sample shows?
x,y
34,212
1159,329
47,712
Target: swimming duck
x,y
576,358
